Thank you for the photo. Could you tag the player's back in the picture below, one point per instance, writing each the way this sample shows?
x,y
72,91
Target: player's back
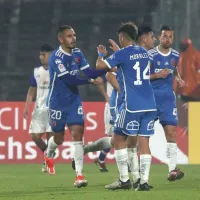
x,y
134,79
61,63
160,61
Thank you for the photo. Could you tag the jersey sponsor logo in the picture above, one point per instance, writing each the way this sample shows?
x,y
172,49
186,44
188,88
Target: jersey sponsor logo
x,y
57,61
138,56
173,62
61,67
158,70
133,125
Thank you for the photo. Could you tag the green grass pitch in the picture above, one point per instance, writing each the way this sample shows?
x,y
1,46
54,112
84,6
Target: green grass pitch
x,y
27,182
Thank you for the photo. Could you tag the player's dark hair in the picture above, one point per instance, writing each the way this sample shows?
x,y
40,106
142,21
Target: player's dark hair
x,y
142,30
165,28
46,48
63,28
130,29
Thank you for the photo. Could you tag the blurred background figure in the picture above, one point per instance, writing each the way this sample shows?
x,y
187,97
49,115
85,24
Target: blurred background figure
x,y
189,69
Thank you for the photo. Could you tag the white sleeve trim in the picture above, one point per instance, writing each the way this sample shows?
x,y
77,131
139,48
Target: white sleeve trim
x,y
108,65
85,67
66,72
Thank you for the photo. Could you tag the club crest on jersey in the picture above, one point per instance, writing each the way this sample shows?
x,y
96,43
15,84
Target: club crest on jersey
x,y
77,60
173,62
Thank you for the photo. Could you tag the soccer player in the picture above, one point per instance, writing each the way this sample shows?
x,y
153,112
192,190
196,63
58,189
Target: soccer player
x,y
64,102
163,69
39,88
133,118
145,39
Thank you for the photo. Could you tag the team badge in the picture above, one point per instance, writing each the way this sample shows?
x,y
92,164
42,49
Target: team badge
x,y
158,62
77,60
173,62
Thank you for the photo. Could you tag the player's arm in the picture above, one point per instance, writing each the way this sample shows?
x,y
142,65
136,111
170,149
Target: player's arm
x,y
178,77
109,63
64,74
87,70
111,77
102,89
30,95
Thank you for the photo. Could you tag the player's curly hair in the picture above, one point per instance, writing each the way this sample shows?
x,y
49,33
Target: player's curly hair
x,y
130,29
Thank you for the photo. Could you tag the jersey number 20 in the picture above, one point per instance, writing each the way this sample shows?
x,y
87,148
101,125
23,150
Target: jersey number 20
x,y
145,76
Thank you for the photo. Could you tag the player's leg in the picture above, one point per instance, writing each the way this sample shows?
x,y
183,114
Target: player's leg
x,y
133,160
121,154
169,121
37,138
57,123
145,131
75,122
98,145
37,130
100,161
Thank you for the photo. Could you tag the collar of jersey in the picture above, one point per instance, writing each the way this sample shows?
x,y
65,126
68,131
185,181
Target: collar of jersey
x,y
164,54
61,49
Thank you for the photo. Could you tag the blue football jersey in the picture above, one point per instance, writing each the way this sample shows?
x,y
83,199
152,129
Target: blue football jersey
x,y
134,78
61,63
161,61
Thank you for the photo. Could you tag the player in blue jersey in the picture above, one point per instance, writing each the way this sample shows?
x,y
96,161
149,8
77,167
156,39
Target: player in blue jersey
x,y
137,112
163,69
64,102
145,39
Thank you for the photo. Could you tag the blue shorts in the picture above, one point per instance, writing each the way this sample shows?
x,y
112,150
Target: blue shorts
x,y
113,113
72,115
133,124
167,111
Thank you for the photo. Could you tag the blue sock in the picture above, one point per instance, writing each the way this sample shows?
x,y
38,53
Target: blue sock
x,y
103,154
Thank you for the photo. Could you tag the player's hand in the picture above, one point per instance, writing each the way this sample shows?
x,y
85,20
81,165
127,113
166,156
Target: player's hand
x,y
181,83
102,49
113,45
163,73
25,114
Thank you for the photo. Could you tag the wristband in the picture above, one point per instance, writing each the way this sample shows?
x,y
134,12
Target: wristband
x,y
101,54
